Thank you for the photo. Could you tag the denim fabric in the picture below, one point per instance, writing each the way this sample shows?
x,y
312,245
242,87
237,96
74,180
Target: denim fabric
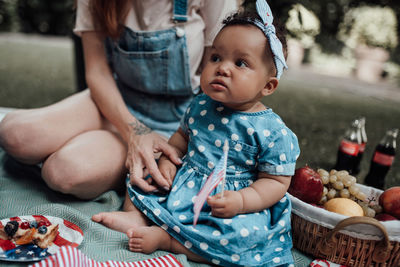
x,y
153,75
258,141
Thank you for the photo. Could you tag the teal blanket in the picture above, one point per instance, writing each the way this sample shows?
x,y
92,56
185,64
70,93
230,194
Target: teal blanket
x,y
23,192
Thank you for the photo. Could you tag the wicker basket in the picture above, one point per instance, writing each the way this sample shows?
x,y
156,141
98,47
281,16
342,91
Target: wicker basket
x,y
351,241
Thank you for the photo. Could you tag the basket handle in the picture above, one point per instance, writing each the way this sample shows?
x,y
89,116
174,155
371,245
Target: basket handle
x,y
329,242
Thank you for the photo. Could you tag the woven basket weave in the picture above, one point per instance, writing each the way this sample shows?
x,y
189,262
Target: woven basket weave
x,y
351,241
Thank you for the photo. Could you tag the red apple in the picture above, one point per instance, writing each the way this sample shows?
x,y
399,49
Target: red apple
x,y
306,185
390,201
385,217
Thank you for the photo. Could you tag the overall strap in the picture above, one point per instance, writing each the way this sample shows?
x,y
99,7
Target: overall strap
x,y
180,10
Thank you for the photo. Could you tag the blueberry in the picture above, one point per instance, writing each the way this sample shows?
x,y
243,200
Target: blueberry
x,y
11,228
33,224
42,229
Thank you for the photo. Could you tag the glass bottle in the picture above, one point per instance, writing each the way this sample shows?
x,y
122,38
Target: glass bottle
x,y
382,160
364,139
349,147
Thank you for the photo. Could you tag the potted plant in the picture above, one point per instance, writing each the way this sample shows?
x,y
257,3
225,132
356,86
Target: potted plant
x,y
302,26
371,32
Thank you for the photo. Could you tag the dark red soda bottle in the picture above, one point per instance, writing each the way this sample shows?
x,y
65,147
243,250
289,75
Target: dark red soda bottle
x,y
349,147
364,139
382,160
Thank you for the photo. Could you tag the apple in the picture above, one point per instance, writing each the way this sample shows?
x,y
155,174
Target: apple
x,y
390,201
306,184
385,217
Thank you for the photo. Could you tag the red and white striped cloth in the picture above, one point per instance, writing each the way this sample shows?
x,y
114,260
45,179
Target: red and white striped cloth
x,y
68,256
324,263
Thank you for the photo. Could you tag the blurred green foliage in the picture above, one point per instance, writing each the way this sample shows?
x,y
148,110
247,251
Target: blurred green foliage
x,y
330,14
49,17
8,15
56,17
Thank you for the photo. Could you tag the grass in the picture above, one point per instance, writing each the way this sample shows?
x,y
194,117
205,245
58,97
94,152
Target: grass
x,y
35,75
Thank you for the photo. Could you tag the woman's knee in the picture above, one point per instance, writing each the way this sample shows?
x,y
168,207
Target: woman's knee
x,y
63,173
14,134
70,173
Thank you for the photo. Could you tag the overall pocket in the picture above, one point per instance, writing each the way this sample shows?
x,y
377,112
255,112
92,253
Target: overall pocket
x,y
143,71
153,62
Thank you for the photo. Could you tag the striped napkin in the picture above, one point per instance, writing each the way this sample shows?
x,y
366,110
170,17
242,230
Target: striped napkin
x,y
71,256
324,263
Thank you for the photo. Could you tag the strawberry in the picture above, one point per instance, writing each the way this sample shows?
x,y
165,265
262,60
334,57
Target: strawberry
x,y
24,225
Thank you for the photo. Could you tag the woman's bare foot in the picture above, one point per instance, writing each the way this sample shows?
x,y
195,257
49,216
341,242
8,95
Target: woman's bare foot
x,y
146,239
120,221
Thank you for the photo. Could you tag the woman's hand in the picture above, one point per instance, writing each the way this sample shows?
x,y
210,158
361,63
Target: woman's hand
x,y
140,161
227,206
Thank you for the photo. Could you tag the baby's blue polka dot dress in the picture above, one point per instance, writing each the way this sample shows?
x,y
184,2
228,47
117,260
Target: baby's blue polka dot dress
x,y
258,141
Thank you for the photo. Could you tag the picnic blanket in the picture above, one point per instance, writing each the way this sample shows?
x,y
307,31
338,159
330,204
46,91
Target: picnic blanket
x,y
23,192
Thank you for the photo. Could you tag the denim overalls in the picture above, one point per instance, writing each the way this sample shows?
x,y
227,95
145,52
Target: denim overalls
x,y
153,74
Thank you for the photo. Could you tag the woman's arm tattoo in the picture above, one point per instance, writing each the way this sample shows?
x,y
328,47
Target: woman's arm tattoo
x,y
139,128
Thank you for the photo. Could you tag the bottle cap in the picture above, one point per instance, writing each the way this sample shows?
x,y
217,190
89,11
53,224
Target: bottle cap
x,y
394,132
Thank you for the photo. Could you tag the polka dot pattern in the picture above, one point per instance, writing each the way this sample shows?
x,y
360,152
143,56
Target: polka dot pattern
x,y
235,257
216,233
224,242
244,232
238,147
204,246
188,244
190,184
235,137
218,143
216,262
257,142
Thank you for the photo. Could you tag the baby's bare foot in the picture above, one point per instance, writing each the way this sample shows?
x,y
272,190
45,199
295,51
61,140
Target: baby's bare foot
x,y
120,220
147,239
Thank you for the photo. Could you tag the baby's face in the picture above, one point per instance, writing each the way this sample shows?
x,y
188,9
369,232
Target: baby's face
x,y
239,68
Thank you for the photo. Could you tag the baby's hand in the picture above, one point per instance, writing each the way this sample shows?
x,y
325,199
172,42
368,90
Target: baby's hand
x,y
227,206
167,169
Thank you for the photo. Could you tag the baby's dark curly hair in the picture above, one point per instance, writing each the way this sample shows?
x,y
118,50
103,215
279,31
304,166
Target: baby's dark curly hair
x,y
246,18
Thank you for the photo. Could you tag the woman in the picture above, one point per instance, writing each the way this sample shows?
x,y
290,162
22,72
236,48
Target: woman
x,y
141,62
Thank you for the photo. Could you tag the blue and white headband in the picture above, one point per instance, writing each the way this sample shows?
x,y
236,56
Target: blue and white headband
x,y
267,27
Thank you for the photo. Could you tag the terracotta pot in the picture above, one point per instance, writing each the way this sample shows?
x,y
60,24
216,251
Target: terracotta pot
x,y
370,63
295,53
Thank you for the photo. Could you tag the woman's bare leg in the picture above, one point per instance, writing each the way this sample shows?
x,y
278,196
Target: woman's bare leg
x,y
80,155
122,220
32,135
87,165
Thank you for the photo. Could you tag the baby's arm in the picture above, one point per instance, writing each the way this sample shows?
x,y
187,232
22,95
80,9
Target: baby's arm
x,y
262,194
167,168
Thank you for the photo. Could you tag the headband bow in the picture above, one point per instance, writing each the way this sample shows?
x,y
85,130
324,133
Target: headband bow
x,y
265,13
